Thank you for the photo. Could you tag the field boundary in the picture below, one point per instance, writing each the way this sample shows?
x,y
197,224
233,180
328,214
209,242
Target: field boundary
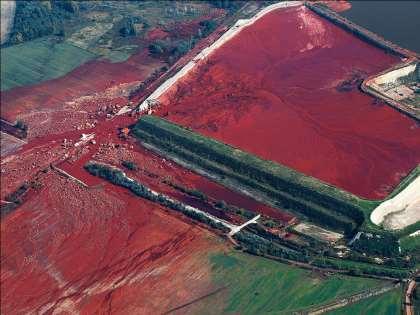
x,y
349,300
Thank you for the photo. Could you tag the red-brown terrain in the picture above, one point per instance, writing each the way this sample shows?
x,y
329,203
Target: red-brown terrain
x,y
63,104
98,249
282,89
71,249
90,247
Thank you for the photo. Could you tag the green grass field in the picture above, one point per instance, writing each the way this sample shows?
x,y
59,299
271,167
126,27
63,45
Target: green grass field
x,y
410,243
39,60
257,285
388,303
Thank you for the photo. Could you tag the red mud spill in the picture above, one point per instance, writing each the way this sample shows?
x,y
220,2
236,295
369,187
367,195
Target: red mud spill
x,y
153,170
273,90
95,76
74,250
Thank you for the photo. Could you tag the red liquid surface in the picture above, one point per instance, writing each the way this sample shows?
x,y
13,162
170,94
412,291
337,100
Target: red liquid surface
x,y
272,90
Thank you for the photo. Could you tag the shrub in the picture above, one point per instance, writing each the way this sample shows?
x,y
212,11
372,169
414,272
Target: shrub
x,y
129,165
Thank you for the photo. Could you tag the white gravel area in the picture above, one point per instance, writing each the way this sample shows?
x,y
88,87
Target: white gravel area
x,y
400,211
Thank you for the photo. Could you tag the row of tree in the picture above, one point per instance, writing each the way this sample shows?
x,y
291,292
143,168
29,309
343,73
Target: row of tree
x,y
173,49
224,162
117,177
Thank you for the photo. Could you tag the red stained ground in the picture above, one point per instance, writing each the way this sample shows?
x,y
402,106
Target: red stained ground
x,y
153,169
49,106
72,250
272,90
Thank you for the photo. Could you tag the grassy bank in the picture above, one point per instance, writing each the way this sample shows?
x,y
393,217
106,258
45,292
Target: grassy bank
x,y
291,190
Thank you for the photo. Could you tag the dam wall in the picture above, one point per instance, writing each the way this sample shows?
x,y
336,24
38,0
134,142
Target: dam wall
x,y
372,84
360,31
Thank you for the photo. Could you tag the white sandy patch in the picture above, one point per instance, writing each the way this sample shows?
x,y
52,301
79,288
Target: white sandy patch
x,y
7,18
318,232
400,211
416,233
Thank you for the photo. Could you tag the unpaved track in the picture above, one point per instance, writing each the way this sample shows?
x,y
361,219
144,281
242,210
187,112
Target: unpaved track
x,y
342,302
409,308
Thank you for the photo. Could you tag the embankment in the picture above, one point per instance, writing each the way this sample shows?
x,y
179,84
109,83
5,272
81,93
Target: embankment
x,y
370,84
376,85
289,189
359,31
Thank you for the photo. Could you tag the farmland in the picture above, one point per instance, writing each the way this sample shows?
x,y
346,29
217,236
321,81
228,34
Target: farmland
x,y
39,60
257,285
127,246
387,304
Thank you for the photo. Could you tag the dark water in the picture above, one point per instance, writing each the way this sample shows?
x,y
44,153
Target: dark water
x,y
397,21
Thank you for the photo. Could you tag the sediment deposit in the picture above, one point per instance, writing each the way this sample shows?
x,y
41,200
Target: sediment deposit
x,y
279,97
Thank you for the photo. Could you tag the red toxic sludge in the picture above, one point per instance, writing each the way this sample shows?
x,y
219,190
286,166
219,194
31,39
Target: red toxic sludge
x,y
286,89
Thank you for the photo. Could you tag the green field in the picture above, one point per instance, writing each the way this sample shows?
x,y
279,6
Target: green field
x,y
388,303
257,285
39,60
411,245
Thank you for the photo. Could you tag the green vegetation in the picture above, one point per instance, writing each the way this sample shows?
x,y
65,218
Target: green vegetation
x,y
170,49
388,303
359,268
257,285
206,27
226,4
262,243
302,194
384,244
173,48
129,165
117,177
34,19
408,230
410,245
39,60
